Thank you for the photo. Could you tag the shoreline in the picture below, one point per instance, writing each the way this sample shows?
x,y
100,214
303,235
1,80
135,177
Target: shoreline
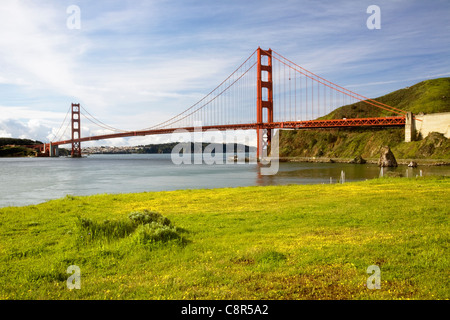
x,y
405,162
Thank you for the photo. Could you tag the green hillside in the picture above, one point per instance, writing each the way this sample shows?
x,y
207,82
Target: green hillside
x,y
15,147
17,142
347,143
430,96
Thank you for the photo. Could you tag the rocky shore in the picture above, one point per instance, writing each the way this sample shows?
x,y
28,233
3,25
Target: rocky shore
x,y
420,162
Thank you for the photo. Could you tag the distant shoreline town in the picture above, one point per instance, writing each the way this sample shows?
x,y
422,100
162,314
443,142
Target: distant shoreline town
x,y
12,147
164,148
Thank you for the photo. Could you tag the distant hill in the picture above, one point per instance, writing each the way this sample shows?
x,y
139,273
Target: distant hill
x,y
168,148
15,147
17,142
430,96
222,148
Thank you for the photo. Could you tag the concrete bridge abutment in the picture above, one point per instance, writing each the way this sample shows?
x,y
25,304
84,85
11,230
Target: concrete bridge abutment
x,y
53,151
410,128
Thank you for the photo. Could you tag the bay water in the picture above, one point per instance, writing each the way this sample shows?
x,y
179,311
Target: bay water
x,y
29,181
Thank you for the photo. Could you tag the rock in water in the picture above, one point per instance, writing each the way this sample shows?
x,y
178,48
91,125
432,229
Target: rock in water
x,y
387,158
412,164
358,160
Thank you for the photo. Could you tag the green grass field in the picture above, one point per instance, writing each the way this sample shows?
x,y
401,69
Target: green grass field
x,y
279,242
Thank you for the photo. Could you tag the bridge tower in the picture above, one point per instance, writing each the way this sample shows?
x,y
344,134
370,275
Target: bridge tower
x,y
76,131
264,100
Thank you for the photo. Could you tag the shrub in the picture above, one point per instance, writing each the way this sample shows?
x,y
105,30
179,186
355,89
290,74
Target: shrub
x,y
148,217
155,232
144,227
106,229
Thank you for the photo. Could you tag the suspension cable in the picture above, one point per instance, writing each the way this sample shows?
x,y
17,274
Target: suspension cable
x,y
56,134
100,123
198,102
331,84
206,103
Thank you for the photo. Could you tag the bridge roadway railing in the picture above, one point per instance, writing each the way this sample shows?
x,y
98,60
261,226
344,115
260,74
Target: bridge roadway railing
x,y
311,124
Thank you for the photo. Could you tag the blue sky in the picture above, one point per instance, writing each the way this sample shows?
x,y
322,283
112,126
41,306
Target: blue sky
x,y
136,63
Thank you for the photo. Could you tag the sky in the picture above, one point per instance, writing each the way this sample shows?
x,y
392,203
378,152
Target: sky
x,y
135,63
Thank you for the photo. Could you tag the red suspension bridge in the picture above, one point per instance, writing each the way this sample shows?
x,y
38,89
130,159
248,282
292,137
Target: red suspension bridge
x,y
266,92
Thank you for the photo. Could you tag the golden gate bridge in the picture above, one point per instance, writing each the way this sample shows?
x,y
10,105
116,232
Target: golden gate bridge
x,y
266,92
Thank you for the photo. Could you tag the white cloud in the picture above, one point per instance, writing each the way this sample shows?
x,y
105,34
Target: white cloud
x,y
14,112
33,47
31,129
5,134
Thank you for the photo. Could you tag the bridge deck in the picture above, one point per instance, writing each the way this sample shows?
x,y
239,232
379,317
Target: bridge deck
x,y
311,124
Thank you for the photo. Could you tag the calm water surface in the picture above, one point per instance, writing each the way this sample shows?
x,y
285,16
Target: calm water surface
x,y
26,181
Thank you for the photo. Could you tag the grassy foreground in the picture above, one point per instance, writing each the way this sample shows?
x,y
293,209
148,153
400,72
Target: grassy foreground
x,y
280,242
